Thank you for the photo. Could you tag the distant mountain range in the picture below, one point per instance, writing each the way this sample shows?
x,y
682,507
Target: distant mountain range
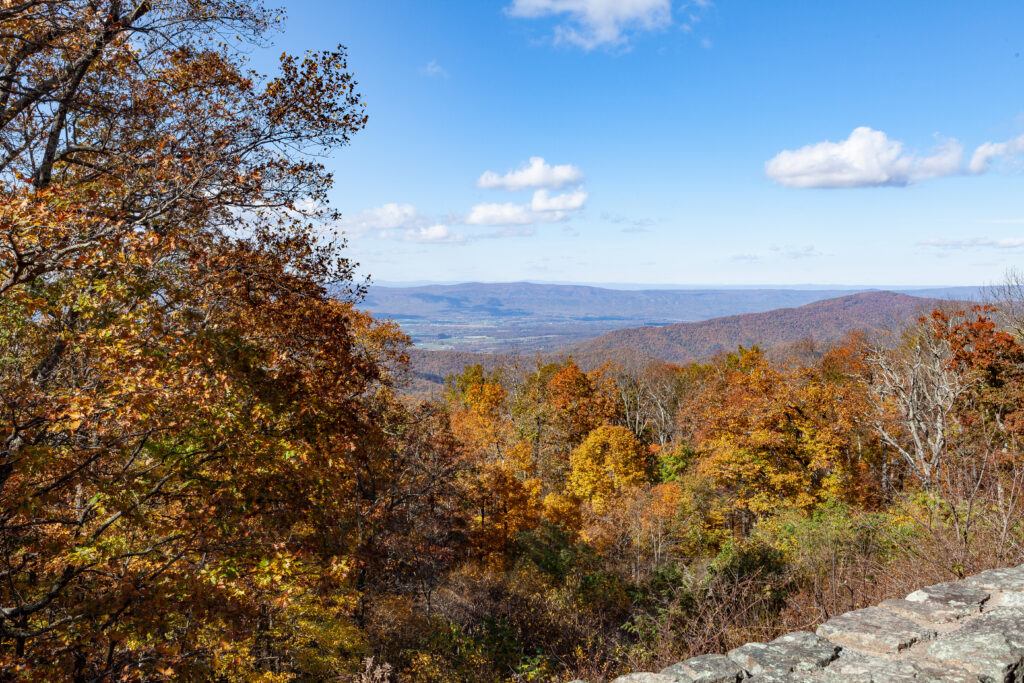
x,y
689,287
820,322
526,317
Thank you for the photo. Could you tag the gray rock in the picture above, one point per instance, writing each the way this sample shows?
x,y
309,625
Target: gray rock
x,y
784,677
931,612
872,645
956,596
997,580
706,669
874,629
865,669
852,667
932,673
991,645
798,651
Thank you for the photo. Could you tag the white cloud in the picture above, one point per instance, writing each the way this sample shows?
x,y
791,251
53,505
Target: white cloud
x,y
974,242
434,69
593,23
865,159
400,222
386,217
983,156
543,208
868,158
570,201
537,173
405,222
433,233
511,214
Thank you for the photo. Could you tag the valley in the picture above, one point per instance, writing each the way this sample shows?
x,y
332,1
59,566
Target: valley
x,y
525,318
803,331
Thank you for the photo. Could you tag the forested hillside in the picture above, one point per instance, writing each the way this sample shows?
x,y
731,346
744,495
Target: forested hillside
x,y
783,333
642,512
209,471
823,322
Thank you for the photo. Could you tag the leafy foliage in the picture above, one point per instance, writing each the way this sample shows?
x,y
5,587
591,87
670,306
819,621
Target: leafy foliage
x,y
208,473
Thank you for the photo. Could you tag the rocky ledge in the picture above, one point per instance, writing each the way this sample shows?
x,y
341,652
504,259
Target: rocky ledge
x,y
969,630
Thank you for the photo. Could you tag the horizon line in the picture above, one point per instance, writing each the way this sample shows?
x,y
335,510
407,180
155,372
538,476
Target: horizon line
x,y
681,286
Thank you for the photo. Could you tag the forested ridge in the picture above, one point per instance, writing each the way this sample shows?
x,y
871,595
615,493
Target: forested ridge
x,y
806,331
208,471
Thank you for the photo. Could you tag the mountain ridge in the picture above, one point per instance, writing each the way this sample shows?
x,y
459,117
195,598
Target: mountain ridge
x,y
825,321
822,322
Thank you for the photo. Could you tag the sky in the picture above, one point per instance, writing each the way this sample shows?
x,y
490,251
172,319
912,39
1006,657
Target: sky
x,y
679,142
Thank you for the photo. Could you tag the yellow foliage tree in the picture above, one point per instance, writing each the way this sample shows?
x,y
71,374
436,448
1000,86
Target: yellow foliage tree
x,y
609,461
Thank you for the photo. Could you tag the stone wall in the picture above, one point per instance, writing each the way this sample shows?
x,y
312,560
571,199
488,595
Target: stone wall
x,y
969,630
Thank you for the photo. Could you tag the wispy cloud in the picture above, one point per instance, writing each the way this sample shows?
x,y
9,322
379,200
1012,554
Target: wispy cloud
x,y
399,221
796,253
535,174
868,158
406,223
974,243
632,224
591,24
747,258
434,70
506,232
983,156
433,233
775,252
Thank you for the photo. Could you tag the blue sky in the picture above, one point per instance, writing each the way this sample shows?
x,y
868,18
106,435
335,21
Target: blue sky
x,y
680,142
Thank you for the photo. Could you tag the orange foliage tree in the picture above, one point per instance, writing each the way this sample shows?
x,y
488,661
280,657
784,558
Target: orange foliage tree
x,y
501,479
181,390
769,437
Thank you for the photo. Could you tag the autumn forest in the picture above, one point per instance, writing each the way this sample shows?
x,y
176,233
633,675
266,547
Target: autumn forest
x,y
212,467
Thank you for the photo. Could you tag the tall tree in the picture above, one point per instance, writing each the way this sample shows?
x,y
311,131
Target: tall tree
x,y
180,394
